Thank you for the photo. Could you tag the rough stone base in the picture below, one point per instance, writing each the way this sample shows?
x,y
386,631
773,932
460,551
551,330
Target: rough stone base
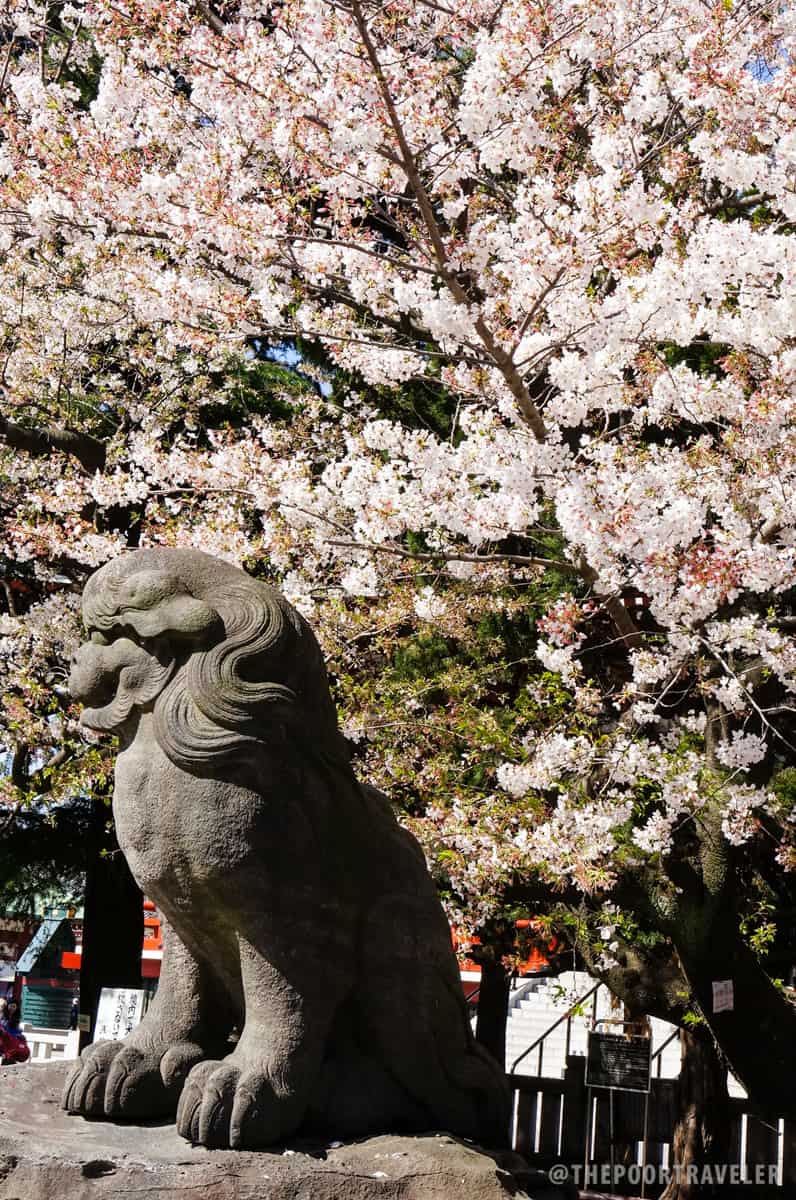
x,y
45,1154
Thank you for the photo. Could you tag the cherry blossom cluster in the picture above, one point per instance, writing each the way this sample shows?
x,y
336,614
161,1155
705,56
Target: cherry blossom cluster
x,y
570,224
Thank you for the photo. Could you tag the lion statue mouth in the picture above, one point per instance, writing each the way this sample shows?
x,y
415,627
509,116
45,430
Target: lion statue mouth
x,y
111,679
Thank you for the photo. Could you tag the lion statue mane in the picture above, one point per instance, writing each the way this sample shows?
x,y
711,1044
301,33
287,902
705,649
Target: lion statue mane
x,y
296,910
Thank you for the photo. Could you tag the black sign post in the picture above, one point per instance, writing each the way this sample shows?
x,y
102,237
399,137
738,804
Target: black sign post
x,y
618,1062
621,1063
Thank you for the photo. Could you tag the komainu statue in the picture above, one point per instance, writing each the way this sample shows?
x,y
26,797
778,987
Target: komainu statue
x,y
296,909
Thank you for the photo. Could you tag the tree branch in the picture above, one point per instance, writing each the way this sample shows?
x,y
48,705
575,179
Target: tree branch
x,y
502,359
20,760
625,626
444,556
89,451
211,18
12,607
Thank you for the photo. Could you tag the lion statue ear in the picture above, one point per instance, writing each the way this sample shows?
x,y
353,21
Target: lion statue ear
x,y
143,675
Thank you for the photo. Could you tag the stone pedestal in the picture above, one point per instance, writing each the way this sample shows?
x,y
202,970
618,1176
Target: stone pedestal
x,y
45,1154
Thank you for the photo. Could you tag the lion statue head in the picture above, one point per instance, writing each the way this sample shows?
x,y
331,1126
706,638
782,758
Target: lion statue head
x,y
225,664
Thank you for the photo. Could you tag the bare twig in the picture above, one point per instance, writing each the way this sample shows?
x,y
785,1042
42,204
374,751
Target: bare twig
x,y
66,53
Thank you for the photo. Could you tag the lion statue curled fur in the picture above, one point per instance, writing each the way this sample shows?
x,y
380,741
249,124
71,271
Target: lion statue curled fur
x,y
295,907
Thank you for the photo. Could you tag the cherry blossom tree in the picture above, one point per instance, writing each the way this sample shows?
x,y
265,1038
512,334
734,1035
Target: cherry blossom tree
x,y
569,228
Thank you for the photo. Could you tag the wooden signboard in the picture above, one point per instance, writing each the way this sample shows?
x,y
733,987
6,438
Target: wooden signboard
x,y
616,1061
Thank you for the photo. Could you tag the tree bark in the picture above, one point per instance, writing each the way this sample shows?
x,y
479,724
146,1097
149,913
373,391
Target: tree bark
x,y
113,922
702,1131
493,1005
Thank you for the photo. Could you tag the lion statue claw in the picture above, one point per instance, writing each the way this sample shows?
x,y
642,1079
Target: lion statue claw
x,y
295,907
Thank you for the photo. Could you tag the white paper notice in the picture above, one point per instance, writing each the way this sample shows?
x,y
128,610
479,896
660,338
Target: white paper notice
x,y
120,1010
723,1000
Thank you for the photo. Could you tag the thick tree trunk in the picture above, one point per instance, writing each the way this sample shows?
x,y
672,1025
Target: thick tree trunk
x,y
711,949
701,916
493,1005
701,1134
763,1061
113,923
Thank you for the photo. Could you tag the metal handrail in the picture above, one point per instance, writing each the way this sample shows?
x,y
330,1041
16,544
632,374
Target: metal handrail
x,y
674,1034
567,1016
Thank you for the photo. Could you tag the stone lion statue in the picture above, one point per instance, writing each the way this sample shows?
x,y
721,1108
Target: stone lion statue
x,y
296,909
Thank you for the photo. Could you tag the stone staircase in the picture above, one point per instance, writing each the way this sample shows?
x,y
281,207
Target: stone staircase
x,y
535,1009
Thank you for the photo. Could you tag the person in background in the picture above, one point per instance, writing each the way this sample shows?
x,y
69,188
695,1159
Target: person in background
x,y
11,1017
13,1044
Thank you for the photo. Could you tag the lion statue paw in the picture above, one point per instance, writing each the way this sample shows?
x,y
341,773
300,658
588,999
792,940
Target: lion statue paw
x,y
233,1104
120,1079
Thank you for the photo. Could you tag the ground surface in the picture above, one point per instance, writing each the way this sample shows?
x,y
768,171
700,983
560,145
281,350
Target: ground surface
x,y
45,1154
